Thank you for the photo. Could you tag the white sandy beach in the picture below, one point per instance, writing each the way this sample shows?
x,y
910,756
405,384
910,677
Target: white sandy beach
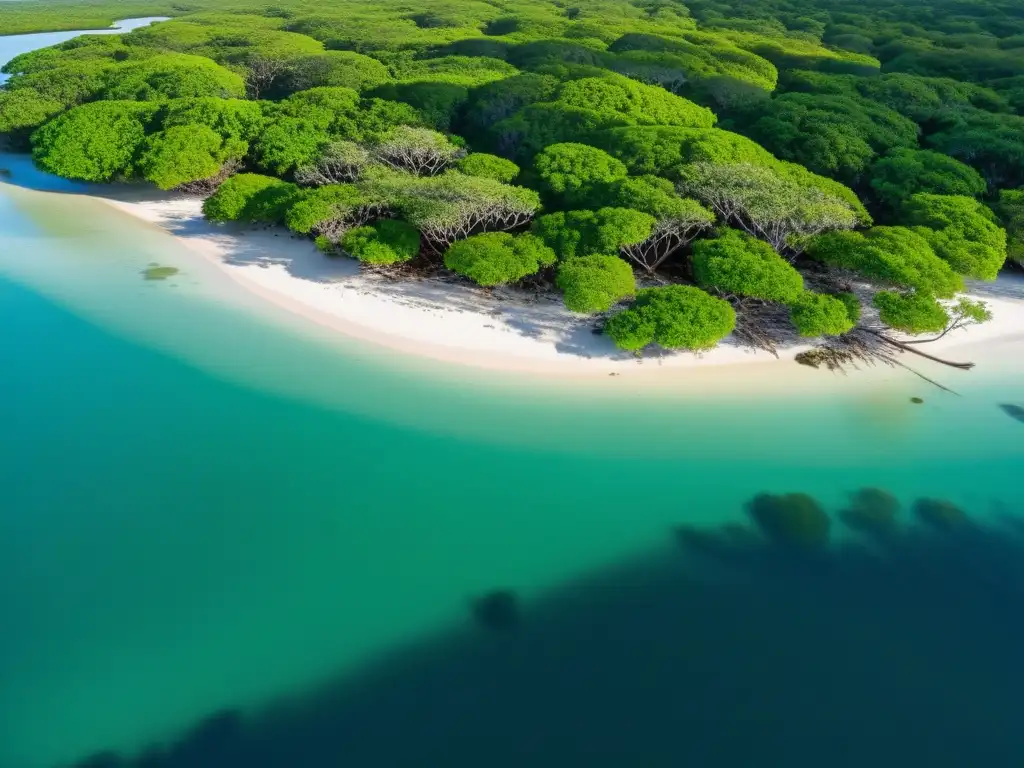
x,y
502,330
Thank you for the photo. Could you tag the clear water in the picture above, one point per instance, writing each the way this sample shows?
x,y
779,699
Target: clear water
x,y
207,505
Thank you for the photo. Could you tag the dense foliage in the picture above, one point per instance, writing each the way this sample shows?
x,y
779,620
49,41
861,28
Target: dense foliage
x,y
498,258
739,264
674,317
747,148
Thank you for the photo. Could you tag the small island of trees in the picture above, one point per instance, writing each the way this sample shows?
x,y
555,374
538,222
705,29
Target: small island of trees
x,y
682,171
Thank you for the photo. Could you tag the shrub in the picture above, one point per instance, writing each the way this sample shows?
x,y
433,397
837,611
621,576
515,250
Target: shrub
x,y
488,167
386,242
674,317
498,258
817,314
738,263
911,312
595,283
250,197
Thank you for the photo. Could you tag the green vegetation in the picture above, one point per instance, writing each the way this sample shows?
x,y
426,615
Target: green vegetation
x,y
737,263
498,258
817,314
911,312
595,283
386,242
733,154
674,317
1010,209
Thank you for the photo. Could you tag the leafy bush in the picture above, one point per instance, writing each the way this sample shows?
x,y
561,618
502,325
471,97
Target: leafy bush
x,y
595,283
93,142
818,314
385,242
488,167
498,258
737,263
911,312
674,317
250,197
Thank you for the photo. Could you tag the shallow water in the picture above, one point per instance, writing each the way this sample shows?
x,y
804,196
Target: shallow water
x,y
207,505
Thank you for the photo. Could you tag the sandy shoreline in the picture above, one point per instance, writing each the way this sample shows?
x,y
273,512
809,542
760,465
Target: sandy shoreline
x,y
505,330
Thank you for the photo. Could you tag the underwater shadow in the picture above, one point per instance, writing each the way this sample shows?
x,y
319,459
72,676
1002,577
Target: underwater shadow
x,y
726,647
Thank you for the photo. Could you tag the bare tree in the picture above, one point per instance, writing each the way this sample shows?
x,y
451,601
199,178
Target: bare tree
x,y
667,237
416,150
340,162
261,72
764,204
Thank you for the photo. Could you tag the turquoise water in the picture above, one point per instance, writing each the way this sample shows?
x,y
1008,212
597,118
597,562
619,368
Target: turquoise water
x,y
207,505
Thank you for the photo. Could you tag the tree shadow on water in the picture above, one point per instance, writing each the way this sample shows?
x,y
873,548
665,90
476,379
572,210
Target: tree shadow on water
x,y
782,645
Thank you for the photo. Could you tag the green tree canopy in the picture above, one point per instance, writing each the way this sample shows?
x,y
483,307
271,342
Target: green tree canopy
x,y
903,172
913,312
234,119
583,233
832,135
737,263
498,258
674,317
22,111
817,314
993,144
172,76
250,197
677,220
661,149
895,256
488,167
637,103
437,102
73,83
575,174
331,68
185,153
595,283
385,242
493,102
288,143
93,142
467,71
768,203
961,230
1011,214
325,210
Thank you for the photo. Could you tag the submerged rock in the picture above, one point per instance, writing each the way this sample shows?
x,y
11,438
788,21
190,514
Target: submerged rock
x,y
159,273
497,610
793,520
872,511
940,514
1013,411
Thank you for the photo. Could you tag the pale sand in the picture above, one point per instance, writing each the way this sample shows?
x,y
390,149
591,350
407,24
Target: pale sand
x,y
501,330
